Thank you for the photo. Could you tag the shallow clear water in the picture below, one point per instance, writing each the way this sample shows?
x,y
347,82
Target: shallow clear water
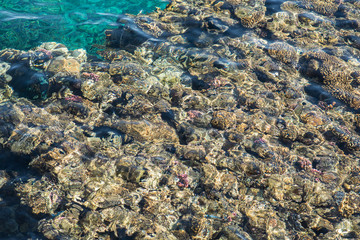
x,y
254,124
77,24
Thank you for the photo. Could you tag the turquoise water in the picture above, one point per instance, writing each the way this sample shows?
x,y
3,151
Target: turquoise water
x,y
76,23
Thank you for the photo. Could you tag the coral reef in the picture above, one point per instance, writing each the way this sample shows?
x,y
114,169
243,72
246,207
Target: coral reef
x,y
206,120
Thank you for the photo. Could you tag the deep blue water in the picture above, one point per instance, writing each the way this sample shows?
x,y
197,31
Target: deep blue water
x,y
76,23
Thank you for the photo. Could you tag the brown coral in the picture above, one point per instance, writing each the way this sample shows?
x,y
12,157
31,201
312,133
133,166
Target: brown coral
x,y
283,52
223,119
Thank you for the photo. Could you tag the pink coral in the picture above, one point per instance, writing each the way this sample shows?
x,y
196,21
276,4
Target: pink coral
x,y
91,76
47,52
74,98
183,181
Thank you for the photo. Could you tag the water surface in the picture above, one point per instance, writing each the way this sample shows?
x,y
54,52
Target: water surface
x,y
77,24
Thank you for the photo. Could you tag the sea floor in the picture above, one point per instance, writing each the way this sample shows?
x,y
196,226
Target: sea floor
x,y
206,120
